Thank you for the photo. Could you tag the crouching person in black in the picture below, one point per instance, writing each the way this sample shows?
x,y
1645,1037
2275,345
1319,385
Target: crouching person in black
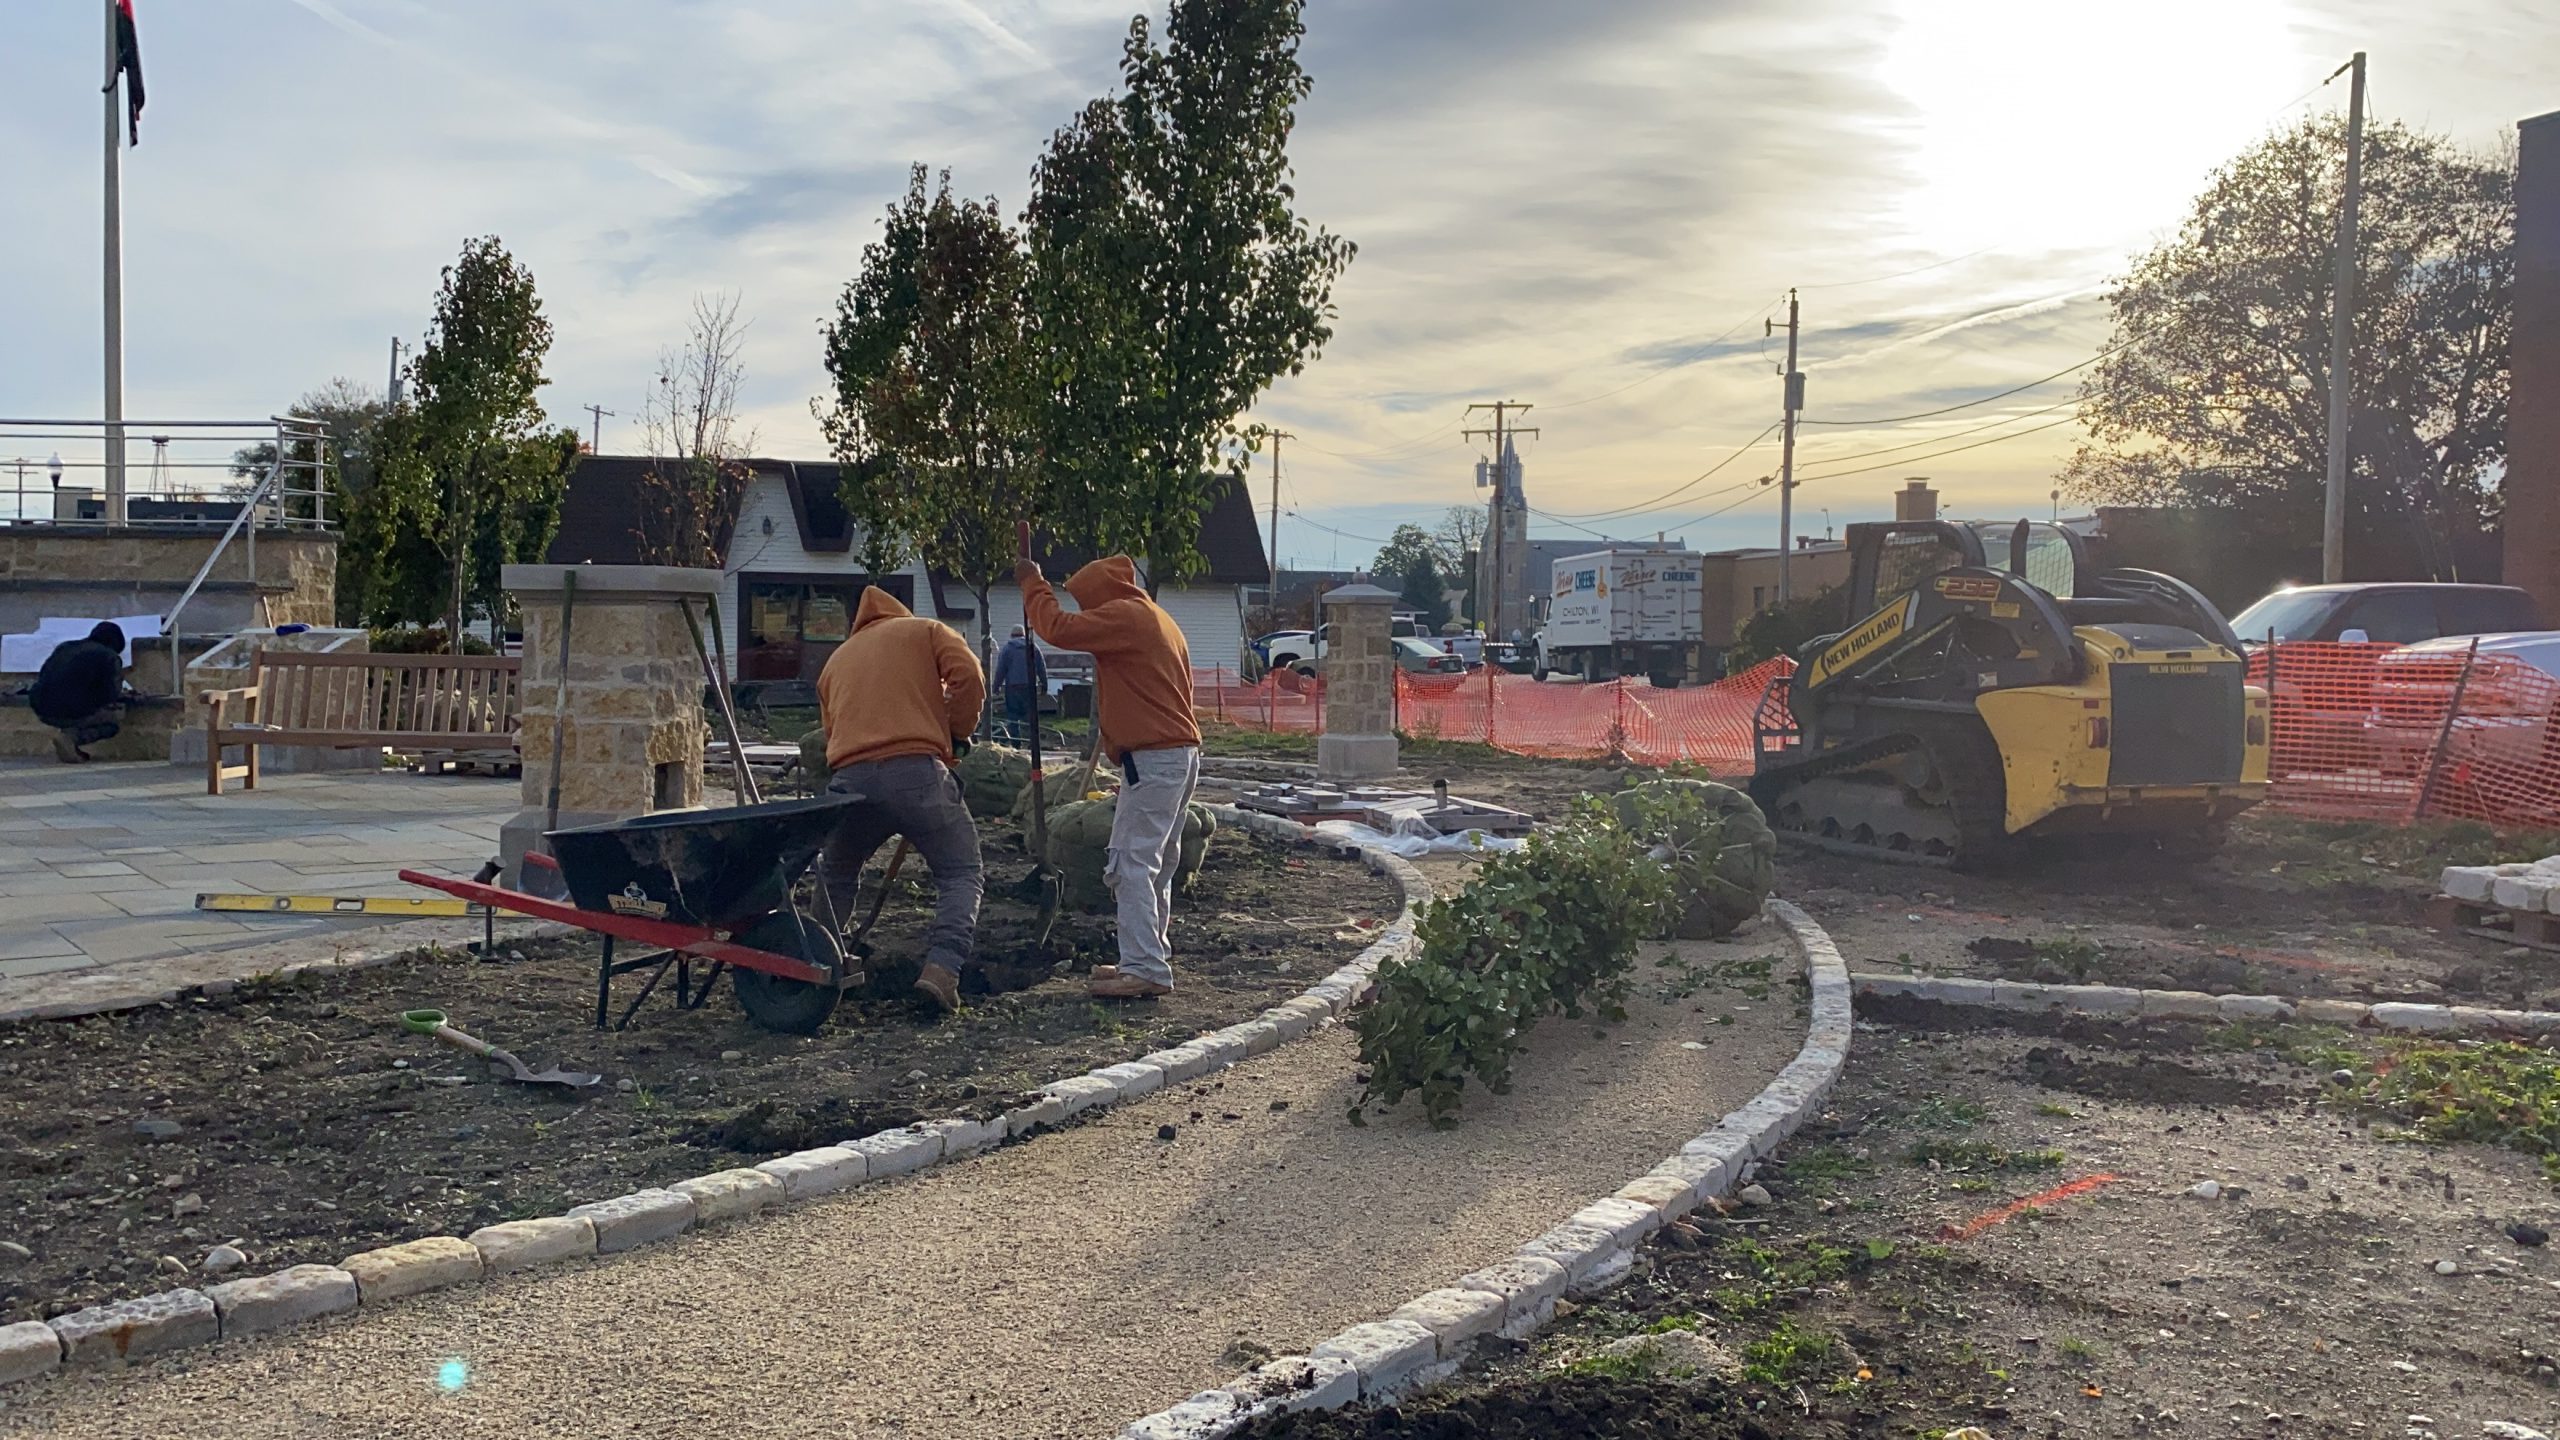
x,y
80,690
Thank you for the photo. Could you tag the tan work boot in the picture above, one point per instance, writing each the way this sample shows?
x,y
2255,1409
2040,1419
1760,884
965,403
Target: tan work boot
x,y
938,984
1110,984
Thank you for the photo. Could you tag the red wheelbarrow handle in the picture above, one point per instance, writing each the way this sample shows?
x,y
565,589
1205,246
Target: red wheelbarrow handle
x,y
691,939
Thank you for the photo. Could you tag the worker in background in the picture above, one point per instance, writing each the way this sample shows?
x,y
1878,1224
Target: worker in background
x,y
1020,677
1142,702
898,701
79,690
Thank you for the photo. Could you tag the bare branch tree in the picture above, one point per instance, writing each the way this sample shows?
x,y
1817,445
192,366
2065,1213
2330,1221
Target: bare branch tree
x,y
697,474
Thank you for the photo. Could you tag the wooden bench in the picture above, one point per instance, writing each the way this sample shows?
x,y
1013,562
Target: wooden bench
x,y
361,701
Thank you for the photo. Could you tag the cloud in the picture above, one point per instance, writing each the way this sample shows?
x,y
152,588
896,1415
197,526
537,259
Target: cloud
x,y
1589,207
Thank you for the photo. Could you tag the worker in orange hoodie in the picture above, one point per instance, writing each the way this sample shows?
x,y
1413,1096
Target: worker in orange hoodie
x,y
898,697
1142,702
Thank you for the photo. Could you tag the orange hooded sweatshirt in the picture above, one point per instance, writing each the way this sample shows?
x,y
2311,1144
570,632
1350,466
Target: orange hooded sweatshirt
x,y
1141,667
898,685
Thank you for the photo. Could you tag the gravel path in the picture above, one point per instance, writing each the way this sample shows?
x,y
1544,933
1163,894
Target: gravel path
x,y
1050,1289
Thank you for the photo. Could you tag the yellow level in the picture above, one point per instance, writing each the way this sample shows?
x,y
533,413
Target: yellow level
x,y
338,904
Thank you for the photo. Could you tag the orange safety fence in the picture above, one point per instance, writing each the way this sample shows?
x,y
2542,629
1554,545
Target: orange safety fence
x,y
2357,732
2376,733
1707,725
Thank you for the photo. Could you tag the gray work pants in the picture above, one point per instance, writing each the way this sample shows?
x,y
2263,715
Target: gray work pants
x,y
1146,849
918,798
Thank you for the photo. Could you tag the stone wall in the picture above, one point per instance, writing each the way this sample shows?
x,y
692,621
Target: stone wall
x,y
103,572
632,732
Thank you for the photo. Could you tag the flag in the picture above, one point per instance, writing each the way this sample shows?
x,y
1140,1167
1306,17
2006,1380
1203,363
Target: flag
x,y
129,66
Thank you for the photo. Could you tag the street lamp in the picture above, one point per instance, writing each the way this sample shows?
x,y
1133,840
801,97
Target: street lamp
x,y
53,467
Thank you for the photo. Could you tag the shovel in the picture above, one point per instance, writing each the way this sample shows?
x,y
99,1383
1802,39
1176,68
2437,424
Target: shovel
x,y
431,1022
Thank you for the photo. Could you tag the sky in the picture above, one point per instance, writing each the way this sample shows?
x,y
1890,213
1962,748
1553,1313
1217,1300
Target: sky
x,y
1592,208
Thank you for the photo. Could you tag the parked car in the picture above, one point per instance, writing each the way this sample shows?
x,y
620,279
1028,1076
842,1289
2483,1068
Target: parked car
x,y
1425,657
2507,696
2386,613
1514,659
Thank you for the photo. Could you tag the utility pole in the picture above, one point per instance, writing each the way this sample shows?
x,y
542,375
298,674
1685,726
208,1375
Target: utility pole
x,y
1503,432
1275,437
2333,528
113,289
391,390
1787,453
595,440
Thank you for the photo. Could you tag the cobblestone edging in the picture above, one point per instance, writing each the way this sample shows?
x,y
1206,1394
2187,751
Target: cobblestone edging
x,y
1424,1342
2112,1002
153,1324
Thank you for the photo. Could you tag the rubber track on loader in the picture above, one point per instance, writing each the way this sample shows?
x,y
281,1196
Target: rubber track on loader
x,y
1960,747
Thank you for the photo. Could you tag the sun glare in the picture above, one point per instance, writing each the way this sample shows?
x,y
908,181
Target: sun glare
x,y
2054,124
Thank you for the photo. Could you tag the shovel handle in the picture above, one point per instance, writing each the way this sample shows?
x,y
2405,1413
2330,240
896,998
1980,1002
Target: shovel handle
x,y
432,1023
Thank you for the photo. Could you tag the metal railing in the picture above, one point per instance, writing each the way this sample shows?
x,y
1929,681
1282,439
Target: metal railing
x,y
197,473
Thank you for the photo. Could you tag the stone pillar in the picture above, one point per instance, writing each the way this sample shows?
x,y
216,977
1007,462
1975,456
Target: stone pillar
x,y
633,735
1359,739
2532,484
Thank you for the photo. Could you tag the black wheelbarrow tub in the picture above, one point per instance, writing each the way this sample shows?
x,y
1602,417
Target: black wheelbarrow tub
x,y
714,868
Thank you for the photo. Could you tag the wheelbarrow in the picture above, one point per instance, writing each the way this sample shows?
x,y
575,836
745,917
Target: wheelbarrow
x,y
712,886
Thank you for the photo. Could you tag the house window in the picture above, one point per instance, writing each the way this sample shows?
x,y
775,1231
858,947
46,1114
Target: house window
x,y
791,626
1759,597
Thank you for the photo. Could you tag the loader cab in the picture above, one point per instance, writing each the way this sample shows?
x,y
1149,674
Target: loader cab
x,y
1889,558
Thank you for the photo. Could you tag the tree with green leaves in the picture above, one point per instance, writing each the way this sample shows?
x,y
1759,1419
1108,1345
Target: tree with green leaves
x,y
349,418
1172,280
1425,593
1406,550
2213,389
469,474
936,392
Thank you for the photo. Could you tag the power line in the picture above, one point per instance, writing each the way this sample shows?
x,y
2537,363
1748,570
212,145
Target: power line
x,y
1898,274
1942,439
1656,501
1952,450
1987,399
1301,516
1669,365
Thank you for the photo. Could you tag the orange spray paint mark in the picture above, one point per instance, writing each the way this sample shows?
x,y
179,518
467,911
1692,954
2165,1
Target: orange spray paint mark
x,y
2012,1211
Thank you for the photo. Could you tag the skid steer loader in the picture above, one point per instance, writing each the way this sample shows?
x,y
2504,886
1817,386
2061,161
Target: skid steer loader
x,y
1993,690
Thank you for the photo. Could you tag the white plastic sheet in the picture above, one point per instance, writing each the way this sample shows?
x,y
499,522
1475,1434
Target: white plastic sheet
x,y
1414,838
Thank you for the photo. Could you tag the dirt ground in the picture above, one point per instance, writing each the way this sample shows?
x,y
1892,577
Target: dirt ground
x,y
2288,907
1998,1226
308,1125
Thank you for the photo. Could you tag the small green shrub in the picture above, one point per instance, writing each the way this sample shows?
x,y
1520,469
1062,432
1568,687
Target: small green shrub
x,y
418,640
1550,928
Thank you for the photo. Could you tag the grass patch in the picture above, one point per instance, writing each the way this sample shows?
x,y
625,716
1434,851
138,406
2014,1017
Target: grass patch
x,y
2073,955
1787,1354
2052,1111
2327,853
2498,1093
2320,1047
1635,1365
1825,1166
1980,1157
2077,1350
1938,1112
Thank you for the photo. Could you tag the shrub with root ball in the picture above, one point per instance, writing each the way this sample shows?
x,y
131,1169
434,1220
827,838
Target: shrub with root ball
x,y
1722,854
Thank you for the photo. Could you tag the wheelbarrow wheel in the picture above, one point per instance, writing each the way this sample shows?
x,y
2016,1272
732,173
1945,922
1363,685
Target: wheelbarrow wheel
x,y
785,1006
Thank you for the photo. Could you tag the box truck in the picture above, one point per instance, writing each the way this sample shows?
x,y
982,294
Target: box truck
x,y
1626,612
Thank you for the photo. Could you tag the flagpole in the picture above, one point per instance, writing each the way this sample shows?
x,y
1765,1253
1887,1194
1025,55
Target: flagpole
x,y
114,285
